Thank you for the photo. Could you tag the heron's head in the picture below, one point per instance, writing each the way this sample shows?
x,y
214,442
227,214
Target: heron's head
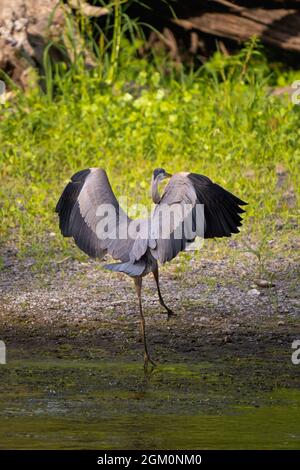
x,y
159,174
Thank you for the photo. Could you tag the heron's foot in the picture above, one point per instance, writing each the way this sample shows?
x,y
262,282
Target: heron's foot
x,y
170,313
147,361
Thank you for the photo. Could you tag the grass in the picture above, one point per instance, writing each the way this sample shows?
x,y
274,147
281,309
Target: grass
x,y
219,121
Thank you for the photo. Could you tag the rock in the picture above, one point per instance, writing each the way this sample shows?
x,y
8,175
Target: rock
x,y
253,292
203,319
29,262
8,263
27,27
264,283
25,31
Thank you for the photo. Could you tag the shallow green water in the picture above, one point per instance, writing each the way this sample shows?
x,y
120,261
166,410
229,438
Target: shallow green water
x,y
81,404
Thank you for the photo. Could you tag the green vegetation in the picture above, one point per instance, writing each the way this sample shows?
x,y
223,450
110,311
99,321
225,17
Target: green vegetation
x,y
219,120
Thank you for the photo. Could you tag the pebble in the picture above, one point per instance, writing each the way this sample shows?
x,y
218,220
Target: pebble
x,y
204,319
264,283
253,292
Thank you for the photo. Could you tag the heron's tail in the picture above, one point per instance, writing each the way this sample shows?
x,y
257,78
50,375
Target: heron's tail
x,y
132,269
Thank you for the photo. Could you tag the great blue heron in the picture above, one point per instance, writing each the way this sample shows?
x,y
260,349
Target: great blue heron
x,y
89,190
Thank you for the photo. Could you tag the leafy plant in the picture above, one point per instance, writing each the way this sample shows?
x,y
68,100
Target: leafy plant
x,y
219,120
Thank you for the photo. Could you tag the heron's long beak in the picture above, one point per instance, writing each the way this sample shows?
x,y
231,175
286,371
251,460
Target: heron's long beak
x,y
168,175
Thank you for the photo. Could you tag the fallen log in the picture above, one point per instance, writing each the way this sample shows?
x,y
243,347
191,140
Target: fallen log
x,y
276,27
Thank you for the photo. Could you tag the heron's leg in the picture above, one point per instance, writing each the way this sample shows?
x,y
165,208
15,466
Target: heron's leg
x,y
161,300
147,358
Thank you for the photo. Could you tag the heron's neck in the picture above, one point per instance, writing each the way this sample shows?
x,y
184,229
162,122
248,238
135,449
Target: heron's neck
x,y
154,192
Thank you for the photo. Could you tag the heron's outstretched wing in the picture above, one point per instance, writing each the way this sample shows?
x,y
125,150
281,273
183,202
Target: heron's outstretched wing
x,y
221,208
79,217
220,215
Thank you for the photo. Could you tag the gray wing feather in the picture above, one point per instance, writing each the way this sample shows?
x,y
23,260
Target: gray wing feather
x,y
77,210
219,218
142,239
179,193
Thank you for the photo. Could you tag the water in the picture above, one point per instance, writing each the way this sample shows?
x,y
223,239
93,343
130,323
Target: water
x,y
87,405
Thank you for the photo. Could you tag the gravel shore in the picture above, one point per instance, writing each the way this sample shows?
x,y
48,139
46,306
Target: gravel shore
x,y
78,308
